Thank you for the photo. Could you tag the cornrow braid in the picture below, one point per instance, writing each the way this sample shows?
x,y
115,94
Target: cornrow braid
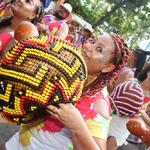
x,y
122,53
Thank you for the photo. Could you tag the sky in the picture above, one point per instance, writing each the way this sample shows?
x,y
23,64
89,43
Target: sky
x,y
145,45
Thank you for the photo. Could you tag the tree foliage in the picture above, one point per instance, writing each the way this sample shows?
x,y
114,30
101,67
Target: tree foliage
x,y
130,18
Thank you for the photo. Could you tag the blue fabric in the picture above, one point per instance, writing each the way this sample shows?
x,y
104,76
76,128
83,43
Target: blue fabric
x,y
46,3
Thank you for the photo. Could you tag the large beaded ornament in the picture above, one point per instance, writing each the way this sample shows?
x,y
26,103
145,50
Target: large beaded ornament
x,y
38,72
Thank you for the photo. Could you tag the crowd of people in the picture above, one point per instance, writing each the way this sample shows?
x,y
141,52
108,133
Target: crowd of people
x,y
117,88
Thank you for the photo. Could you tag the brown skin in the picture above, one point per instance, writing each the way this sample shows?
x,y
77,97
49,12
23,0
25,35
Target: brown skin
x,y
146,85
73,26
25,30
63,30
148,110
142,127
93,54
3,147
131,60
62,11
78,128
98,57
27,9
124,76
145,114
111,143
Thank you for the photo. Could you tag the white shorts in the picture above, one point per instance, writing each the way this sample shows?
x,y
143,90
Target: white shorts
x,y
118,129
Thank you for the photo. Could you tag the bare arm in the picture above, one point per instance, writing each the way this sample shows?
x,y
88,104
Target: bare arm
x,y
145,117
63,31
82,139
102,107
72,119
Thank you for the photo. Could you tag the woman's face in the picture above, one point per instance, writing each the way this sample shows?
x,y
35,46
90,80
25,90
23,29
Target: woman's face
x,y
73,27
131,61
61,13
99,55
25,9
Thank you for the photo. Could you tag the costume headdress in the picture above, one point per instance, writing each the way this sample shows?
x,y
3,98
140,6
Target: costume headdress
x,y
38,72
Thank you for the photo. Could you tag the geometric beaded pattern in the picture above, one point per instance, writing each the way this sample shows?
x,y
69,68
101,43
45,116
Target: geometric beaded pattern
x,y
38,72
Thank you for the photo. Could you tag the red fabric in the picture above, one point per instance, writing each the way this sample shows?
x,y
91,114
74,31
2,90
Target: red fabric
x,y
4,39
69,38
52,125
84,105
146,99
55,26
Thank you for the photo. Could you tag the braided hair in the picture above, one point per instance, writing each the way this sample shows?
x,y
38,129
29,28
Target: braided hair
x,y
120,58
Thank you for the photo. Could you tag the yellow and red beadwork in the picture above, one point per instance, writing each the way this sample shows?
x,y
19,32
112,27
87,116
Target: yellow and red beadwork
x,y
38,72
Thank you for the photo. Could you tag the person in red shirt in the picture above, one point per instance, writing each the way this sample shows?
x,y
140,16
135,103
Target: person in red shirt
x,y
56,24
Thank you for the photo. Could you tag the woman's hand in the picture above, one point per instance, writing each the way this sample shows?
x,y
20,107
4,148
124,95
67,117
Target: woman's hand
x,y
41,27
68,115
72,119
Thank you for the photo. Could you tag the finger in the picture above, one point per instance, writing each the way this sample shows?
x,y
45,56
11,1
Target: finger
x,y
61,105
53,115
53,109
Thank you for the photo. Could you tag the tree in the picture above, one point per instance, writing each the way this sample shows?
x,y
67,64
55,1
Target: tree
x,y
106,15
130,18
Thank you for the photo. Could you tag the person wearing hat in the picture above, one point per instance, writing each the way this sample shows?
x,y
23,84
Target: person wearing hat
x,y
94,104
83,37
62,72
73,28
56,24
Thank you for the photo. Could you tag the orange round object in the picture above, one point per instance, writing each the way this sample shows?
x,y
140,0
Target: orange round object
x,y
146,137
25,30
136,127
